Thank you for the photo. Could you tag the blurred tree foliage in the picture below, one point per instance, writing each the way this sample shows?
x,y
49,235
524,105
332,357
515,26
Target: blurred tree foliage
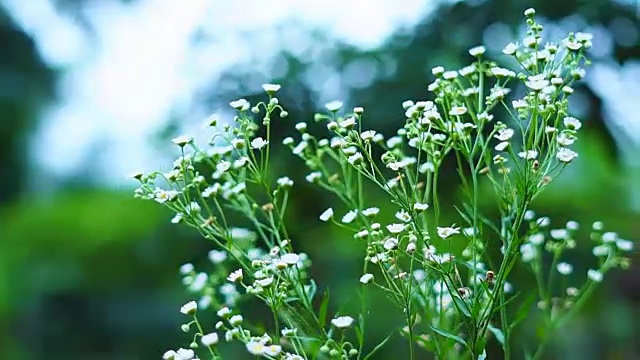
x,y
91,273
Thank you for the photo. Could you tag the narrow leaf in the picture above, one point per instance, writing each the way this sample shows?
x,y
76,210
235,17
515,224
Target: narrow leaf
x,y
324,306
378,347
449,335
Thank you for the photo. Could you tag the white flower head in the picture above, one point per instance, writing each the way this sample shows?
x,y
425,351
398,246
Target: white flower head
x,y
290,258
240,104
258,143
528,155
572,123
395,228
594,275
210,339
370,212
342,321
564,268
271,88
366,278
182,140
390,243
566,155
510,49
256,348
528,252
189,308
458,110
185,354
504,134
235,276
350,216
326,215
333,106
477,51
420,207
445,232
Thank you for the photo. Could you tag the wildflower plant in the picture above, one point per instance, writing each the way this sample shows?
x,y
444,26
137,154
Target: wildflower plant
x,y
453,303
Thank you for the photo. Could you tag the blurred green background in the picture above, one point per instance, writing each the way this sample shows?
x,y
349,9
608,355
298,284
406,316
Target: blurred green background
x,y
91,90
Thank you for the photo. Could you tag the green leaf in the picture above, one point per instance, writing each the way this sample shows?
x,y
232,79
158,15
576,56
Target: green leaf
x,y
324,306
378,347
360,330
313,288
499,335
462,306
449,335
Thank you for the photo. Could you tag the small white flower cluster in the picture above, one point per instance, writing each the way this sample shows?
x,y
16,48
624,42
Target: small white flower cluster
x,y
419,258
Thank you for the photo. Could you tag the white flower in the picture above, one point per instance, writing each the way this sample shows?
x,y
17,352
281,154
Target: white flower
x,y
564,139
185,354
530,12
235,320
240,104
448,75
217,256
609,237
537,82
366,278
437,70
271,88
186,269
458,110
284,182
370,212
501,146
390,244
564,268
265,282
223,166
350,216
224,312
355,159
333,106
510,49
594,275
519,104
528,155
314,176
258,143
342,321
368,135
272,350
301,126
559,234
528,252
169,355
326,215
395,228
256,348
235,276
290,258
566,155
162,196
300,147
189,308
403,216
504,134
624,245
536,239
601,250
182,140
477,51
572,123
445,232
420,207
210,339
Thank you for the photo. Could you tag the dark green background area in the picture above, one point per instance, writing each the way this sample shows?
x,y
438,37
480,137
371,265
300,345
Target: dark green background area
x,y
88,272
